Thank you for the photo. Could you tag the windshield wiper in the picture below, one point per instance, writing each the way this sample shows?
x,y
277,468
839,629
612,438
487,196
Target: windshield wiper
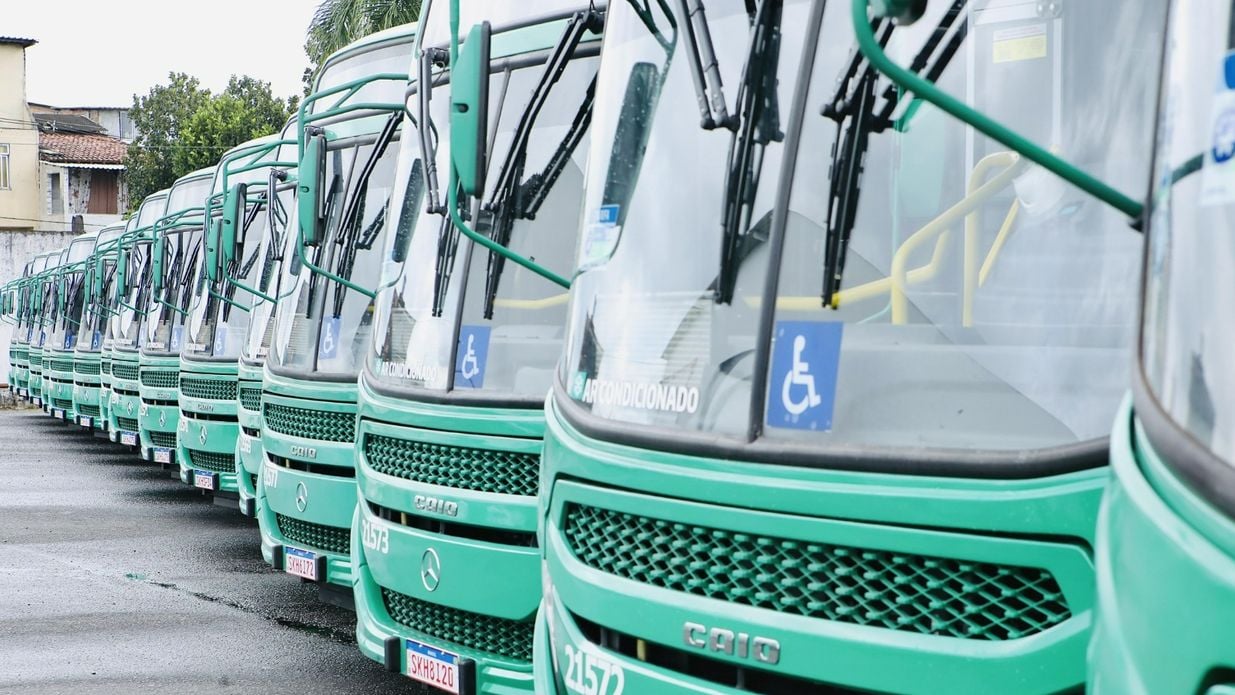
x,y
704,69
351,239
853,109
758,126
513,198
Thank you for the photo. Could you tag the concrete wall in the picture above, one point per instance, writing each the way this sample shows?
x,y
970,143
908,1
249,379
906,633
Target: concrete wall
x,y
15,249
20,204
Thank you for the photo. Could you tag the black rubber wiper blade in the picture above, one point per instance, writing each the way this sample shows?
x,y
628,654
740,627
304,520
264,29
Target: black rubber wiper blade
x,y
758,126
704,68
350,238
510,199
854,107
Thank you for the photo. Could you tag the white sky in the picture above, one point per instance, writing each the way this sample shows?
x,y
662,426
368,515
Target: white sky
x,y
92,53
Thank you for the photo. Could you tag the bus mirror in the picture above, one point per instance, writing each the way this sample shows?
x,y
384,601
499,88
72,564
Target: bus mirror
x,y
232,238
122,274
900,11
96,279
213,233
156,264
310,189
469,110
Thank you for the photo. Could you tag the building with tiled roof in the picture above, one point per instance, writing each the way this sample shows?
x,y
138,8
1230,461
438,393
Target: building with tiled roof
x,y
81,149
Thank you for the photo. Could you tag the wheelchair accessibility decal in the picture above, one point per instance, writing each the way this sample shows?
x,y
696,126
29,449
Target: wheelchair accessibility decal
x,y
473,355
328,344
802,387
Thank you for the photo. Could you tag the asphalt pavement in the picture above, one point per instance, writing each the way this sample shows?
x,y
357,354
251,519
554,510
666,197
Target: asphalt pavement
x,y
116,578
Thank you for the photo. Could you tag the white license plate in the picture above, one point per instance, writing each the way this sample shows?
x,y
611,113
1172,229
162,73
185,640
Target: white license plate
x,y
38,400
162,455
85,421
301,563
57,413
128,438
432,666
203,479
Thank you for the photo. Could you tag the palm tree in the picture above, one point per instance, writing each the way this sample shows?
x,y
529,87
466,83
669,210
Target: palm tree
x,y
340,22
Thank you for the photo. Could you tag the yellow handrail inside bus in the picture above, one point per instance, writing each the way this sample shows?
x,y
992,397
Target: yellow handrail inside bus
x,y
967,206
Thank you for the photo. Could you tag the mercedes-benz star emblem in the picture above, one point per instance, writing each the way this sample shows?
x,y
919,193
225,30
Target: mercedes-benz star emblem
x,y
430,569
201,436
130,407
162,418
302,496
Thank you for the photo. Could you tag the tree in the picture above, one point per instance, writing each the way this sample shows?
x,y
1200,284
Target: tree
x,y
245,110
159,119
182,127
340,22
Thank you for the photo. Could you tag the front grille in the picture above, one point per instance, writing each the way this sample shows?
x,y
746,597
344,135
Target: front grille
x,y
251,398
323,425
165,440
210,461
160,378
123,370
60,365
88,410
62,403
331,539
105,367
208,389
86,368
126,424
928,595
484,470
507,638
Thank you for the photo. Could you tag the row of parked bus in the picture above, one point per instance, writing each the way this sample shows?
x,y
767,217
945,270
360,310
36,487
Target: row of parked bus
x,y
763,346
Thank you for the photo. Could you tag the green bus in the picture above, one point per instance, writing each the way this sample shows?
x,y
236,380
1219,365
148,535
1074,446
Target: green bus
x,y
221,304
109,303
348,133
24,332
451,396
1165,550
174,260
39,307
58,350
88,395
834,403
272,237
130,296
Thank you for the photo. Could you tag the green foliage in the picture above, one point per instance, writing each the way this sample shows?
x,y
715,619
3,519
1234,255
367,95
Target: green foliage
x,y
159,119
338,23
182,127
245,110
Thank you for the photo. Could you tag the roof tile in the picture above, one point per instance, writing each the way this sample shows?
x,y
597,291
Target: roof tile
x,y
80,148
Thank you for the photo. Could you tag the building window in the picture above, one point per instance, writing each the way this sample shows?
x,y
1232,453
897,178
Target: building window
x,y
55,194
4,167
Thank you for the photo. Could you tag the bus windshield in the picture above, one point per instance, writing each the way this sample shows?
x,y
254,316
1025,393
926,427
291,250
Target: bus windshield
x,y
64,330
164,322
1186,361
94,316
972,302
124,328
507,322
217,328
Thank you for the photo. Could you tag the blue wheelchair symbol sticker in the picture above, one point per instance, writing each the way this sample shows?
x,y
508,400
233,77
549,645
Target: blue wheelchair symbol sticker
x,y
473,355
220,341
802,387
177,334
328,346
96,340
69,339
